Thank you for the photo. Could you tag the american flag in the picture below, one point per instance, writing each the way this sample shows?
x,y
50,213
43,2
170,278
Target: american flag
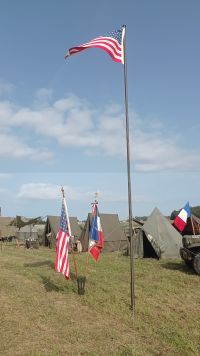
x,y
62,246
112,43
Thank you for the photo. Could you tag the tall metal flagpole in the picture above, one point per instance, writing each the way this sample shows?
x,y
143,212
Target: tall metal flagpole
x,y
128,173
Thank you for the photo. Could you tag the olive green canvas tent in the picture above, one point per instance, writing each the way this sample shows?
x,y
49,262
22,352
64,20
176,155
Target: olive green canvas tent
x,y
25,228
52,227
27,232
114,236
6,230
160,238
22,221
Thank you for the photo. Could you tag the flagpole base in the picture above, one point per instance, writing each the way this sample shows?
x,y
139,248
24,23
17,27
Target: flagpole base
x,y
81,285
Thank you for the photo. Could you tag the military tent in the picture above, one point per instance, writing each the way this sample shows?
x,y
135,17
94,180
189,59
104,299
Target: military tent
x,y
27,232
7,231
114,236
21,221
160,238
52,227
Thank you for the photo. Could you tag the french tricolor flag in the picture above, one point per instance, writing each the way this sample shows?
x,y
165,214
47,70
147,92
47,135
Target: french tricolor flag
x,y
96,240
180,220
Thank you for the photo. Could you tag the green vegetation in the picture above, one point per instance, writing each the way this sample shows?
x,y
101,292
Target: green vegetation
x,y
42,314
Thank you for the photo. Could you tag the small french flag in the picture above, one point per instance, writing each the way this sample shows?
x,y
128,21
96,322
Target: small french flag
x,y
96,240
180,220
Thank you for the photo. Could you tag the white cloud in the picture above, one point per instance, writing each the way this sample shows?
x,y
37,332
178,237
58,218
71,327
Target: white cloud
x,y
71,122
44,94
5,175
11,146
48,191
155,152
39,191
6,87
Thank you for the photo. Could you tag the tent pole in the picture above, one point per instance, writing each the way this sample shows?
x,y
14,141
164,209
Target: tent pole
x,y
1,241
192,225
129,176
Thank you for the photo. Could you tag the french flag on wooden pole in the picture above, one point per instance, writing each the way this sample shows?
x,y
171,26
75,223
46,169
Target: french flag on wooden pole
x,y
180,220
96,240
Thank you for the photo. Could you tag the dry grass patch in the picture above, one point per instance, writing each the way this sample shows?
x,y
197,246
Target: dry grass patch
x,y
42,314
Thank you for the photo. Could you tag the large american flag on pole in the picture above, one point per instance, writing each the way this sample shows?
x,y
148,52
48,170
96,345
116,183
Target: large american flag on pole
x,y
112,43
62,246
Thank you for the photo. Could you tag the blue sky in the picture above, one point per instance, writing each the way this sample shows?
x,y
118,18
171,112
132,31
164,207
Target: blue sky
x,y
63,122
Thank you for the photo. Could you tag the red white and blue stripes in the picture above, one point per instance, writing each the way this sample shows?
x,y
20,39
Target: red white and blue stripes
x,y
96,240
180,220
112,43
62,246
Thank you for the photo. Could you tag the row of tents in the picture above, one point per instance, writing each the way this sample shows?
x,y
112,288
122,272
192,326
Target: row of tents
x,y
156,237
8,231
114,236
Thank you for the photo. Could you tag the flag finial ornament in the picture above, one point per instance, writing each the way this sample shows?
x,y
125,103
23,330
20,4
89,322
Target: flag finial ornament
x,y
96,195
63,191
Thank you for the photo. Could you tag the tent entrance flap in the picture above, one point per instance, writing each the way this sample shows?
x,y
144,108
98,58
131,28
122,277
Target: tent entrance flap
x,y
148,250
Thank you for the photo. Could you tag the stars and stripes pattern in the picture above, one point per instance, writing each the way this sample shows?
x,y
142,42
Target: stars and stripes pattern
x,y
96,240
112,43
62,246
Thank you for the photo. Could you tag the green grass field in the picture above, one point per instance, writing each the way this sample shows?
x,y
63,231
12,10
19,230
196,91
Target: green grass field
x,y
42,313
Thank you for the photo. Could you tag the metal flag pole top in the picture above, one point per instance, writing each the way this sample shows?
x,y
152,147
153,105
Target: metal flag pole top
x,y
128,171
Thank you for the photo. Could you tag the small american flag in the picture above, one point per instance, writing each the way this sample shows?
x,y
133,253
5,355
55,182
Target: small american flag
x,y
62,246
112,43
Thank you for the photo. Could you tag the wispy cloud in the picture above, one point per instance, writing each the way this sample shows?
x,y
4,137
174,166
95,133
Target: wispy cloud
x,y
72,123
48,191
44,94
6,87
79,194
5,175
11,146
41,191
